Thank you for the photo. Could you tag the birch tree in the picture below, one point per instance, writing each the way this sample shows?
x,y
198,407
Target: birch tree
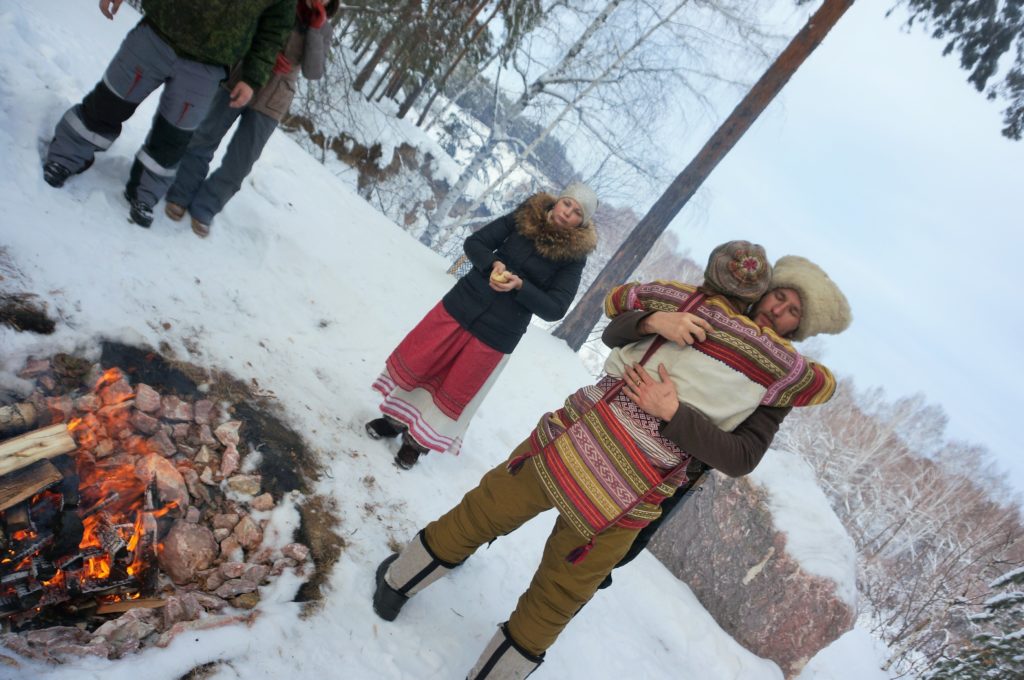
x,y
497,134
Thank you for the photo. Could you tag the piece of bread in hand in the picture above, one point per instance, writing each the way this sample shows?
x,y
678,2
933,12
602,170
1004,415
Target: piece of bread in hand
x,y
500,277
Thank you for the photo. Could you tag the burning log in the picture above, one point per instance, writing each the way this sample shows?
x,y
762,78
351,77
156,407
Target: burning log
x,y
17,418
125,605
27,482
47,442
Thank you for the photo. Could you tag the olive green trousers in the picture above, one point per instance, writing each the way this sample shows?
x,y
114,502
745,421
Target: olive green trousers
x,y
500,504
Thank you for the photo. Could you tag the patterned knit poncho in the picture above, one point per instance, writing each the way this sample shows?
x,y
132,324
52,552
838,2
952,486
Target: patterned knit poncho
x,y
591,476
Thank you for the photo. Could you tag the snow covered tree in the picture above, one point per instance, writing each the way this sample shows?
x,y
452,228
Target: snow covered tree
x,y
983,33
999,651
600,72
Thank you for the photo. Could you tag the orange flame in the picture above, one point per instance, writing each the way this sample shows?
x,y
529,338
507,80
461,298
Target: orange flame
x,y
112,489
111,375
97,567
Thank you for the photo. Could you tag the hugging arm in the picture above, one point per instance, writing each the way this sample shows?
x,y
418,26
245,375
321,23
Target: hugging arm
x,y
735,453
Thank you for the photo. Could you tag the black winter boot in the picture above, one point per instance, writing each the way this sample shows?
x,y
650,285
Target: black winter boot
x,y
56,174
384,427
404,574
138,212
409,453
504,659
387,601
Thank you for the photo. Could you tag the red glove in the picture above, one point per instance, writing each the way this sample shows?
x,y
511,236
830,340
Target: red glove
x,y
313,15
282,65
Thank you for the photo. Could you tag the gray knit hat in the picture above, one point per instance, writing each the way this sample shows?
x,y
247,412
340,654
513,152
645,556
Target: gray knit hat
x,y
583,195
825,308
739,269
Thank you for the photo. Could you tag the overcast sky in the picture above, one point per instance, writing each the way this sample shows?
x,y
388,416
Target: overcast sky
x,y
882,164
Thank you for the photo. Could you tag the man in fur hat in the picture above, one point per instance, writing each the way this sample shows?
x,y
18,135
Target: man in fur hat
x,y
801,302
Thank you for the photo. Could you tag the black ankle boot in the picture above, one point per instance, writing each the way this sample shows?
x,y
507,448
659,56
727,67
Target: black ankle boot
x,y
383,427
408,454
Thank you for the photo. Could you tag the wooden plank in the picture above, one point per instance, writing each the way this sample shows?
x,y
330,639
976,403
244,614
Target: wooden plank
x,y
27,482
125,605
17,418
39,444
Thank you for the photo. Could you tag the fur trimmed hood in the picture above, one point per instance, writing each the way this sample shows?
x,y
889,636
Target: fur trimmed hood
x,y
551,242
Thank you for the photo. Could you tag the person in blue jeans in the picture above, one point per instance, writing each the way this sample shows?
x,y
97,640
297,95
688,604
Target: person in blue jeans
x,y
185,47
203,196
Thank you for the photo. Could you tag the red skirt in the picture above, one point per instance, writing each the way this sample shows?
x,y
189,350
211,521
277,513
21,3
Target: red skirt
x,y
444,360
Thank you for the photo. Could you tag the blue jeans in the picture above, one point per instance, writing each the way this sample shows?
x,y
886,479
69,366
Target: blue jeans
x,y
203,195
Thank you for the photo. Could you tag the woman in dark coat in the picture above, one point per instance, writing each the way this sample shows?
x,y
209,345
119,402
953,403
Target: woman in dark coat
x,y
526,262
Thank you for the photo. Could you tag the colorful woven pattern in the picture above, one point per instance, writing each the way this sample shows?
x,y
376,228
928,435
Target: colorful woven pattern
x,y
600,473
758,353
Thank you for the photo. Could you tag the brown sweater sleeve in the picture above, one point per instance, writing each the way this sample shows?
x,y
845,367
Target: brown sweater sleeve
x,y
623,330
735,453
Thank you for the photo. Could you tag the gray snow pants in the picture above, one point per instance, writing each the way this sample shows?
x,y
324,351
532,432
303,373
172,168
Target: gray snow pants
x,y
206,196
142,63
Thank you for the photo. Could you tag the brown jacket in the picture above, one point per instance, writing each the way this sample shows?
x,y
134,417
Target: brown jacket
x,y
305,49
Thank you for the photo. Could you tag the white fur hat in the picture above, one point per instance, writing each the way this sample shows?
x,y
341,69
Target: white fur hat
x,y
583,195
825,308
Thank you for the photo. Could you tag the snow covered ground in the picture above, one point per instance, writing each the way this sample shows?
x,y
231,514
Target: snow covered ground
x,y
304,288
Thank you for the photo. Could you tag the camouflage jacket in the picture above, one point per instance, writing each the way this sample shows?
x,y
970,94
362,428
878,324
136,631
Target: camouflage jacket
x,y
225,31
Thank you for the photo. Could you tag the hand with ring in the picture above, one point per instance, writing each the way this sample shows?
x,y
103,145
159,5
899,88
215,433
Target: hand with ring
x,y
656,397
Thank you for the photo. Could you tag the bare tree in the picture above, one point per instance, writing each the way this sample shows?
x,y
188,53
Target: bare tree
x,y
577,324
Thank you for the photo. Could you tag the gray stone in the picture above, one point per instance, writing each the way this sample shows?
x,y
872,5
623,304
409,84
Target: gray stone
x,y
296,551
722,543
227,433
202,411
234,587
248,533
226,520
204,456
169,482
88,403
117,392
146,398
245,484
188,549
229,461
145,423
262,503
162,444
232,569
172,408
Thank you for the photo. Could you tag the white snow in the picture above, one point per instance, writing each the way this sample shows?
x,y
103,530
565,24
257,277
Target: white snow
x,y
301,291
814,535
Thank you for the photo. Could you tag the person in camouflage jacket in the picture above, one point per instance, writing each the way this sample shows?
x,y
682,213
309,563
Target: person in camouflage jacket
x,y
225,32
202,194
187,46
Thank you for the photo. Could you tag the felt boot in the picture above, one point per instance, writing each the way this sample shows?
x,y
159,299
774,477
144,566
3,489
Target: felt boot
x,y
504,659
404,574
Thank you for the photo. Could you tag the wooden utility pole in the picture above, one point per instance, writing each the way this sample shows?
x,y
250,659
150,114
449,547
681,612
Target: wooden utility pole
x,y
578,324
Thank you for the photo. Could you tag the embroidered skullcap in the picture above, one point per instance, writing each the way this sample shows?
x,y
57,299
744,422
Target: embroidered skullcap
x,y
583,195
739,269
825,308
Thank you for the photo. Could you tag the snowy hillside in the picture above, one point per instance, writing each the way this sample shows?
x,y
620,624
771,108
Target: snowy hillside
x,y
303,288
